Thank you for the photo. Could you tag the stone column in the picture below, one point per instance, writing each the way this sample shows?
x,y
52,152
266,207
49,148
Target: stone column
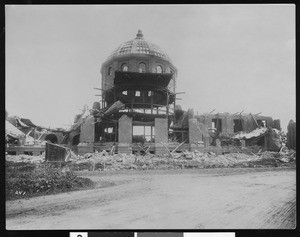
x,y
161,135
125,135
87,136
230,129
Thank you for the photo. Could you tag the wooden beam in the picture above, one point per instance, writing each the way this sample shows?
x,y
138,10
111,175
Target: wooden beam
x,y
211,111
167,149
179,146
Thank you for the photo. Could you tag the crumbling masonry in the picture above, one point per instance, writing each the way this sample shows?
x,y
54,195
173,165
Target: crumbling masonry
x,y
138,111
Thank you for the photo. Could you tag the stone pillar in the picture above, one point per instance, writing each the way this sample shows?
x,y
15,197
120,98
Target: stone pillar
x,y
125,135
87,136
206,136
230,129
87,133
161,135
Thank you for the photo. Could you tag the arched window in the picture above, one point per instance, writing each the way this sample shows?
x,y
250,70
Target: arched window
x,y
124,67
109,71
76,140
142,67
159,69
51,137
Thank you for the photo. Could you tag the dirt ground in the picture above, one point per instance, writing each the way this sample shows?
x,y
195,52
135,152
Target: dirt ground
x,y
226,198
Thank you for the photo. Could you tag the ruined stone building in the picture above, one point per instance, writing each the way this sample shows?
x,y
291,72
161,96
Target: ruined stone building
x,y
138,108
138,100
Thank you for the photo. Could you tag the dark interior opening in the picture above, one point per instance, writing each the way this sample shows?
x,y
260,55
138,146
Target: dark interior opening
x,y
29,153
217,124
51,137
12,153
262,123
76,140
237,125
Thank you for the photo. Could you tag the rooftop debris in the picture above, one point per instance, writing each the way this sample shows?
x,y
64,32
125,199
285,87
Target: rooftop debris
x,y
255,133
12,131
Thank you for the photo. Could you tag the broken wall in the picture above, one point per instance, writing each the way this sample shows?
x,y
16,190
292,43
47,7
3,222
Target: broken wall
x,y
88,130
291,135
198,134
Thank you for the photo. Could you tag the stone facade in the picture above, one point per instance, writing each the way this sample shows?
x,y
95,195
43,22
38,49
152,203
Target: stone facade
x,y
198,134
227,121
125,135
161,135
87,134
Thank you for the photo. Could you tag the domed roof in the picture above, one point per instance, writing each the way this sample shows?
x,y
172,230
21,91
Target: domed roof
x,y
139,46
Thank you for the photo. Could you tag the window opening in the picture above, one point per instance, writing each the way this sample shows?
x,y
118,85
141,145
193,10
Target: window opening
x,y
142,68
262,123
142,134
237,125
159,69
109,71
51,137
217,124
124,67
76,140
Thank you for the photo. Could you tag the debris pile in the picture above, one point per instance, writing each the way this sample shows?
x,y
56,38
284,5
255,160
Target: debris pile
x,y
104,161
255,133
26,158
186,159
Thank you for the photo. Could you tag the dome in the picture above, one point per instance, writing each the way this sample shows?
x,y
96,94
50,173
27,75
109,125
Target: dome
x,y
139,46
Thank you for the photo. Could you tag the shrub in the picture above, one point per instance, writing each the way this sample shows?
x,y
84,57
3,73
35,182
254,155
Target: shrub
x,y
22,181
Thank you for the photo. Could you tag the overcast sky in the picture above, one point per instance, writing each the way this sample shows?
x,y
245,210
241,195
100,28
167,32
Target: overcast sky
x,y
229,57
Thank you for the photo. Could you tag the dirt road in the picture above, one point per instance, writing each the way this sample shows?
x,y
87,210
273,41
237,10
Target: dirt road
x,y
167,199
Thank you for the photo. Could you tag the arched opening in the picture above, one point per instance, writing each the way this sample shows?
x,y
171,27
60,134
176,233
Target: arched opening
x,y
142,68
124,67
109,71
76,140
51,137
159,69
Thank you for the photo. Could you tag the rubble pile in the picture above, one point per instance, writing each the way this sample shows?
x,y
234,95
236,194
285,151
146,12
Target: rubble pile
x,y
186,159
104,161
26,158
